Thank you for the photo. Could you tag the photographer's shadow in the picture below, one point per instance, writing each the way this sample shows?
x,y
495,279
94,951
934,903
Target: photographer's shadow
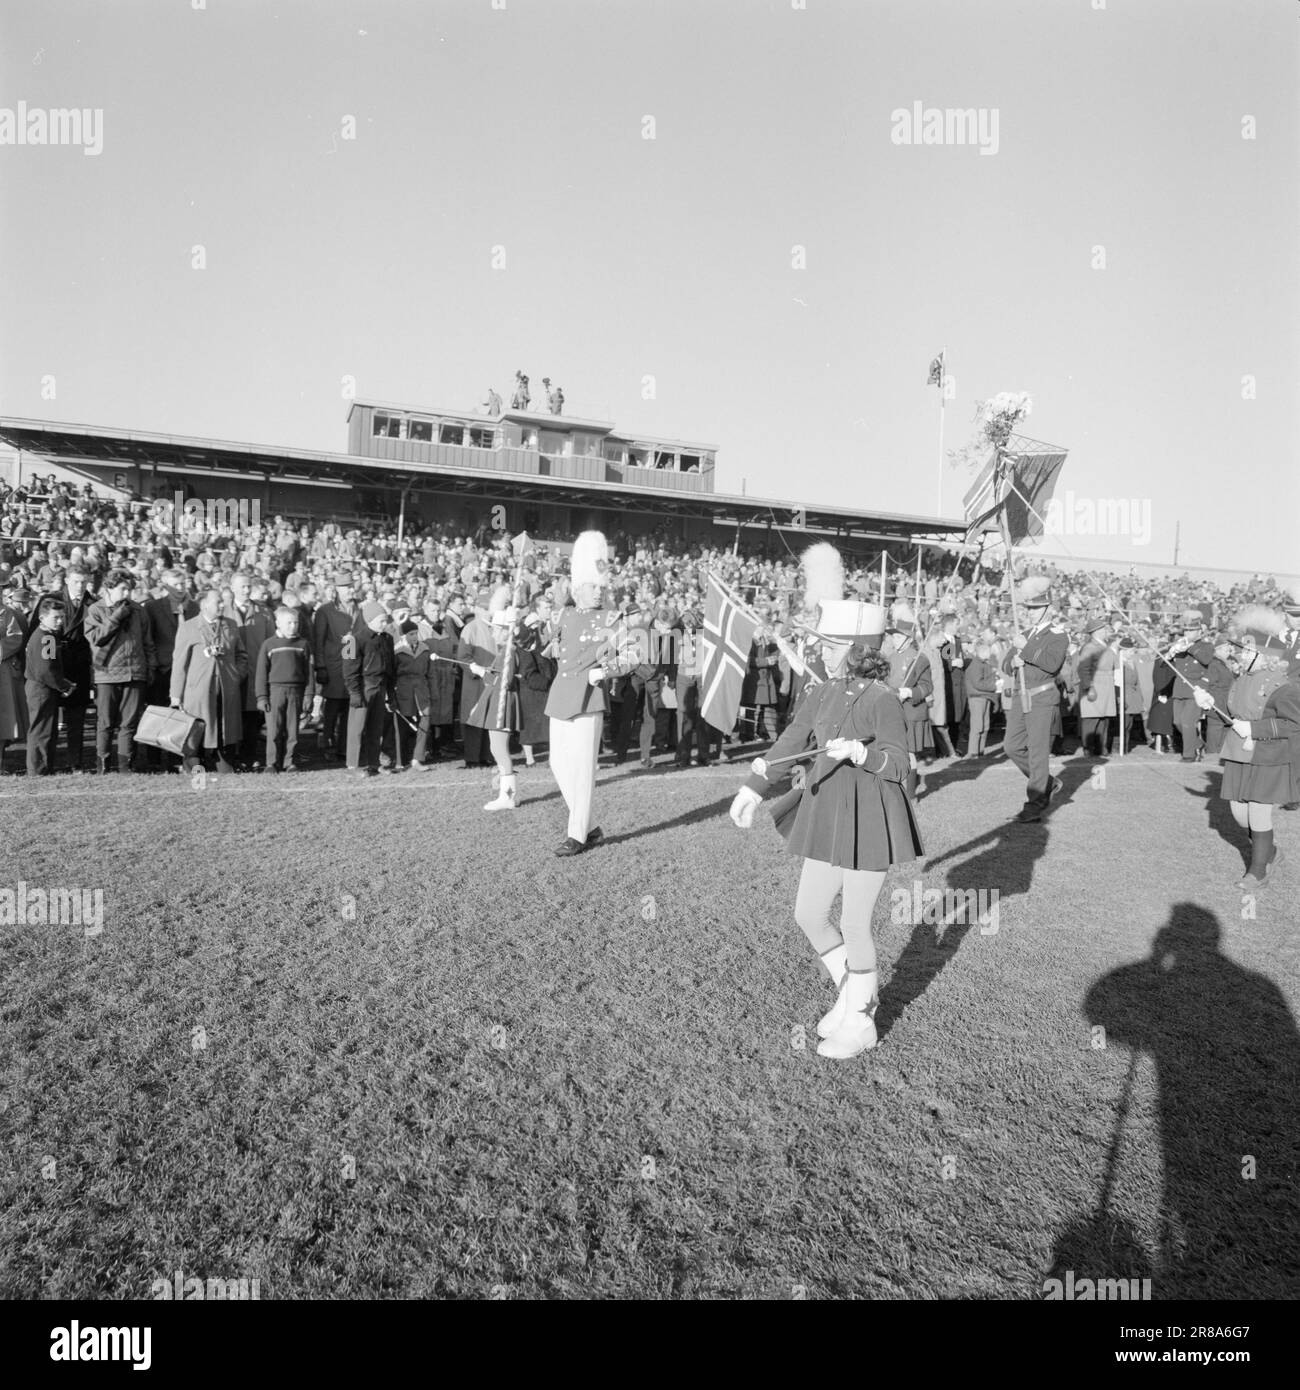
x,y
1227,1059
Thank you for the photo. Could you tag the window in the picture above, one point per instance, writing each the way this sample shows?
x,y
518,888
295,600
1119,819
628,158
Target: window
x,y
480,438
552,442
638,458
451,434
420,429
387,426
613,452
665,458
690,463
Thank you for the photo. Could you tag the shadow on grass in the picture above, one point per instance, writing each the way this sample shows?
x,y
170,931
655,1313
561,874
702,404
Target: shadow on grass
x,y
1227,1056
1005,862
1219,816
700,813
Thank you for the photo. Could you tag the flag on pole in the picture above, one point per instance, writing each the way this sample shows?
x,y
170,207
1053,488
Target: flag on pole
x,y
936,373
522,545
725,642
1022,485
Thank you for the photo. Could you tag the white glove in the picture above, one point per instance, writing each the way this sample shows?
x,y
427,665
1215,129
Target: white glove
x,y
840,748
595,676
479,671
758,767
958,661
905,692
743,807
1164,699
1241,727
1203,698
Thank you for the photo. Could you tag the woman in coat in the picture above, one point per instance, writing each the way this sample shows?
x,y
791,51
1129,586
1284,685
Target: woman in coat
x,y
1095,670
851,819
758,692
208,671
439,636
1160,717
536,673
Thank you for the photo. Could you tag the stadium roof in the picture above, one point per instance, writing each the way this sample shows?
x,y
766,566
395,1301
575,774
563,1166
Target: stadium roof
x,y
218,458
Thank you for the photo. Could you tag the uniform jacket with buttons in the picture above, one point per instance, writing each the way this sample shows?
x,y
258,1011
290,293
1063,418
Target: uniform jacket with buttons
x,y
585,639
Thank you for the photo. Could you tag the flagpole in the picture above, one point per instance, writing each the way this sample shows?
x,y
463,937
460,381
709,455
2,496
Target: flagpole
x,y
884,554
943,371
1011,577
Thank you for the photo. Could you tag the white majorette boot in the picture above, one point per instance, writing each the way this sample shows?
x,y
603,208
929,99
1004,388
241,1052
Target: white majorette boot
x,y
858,1030
836,961
506,797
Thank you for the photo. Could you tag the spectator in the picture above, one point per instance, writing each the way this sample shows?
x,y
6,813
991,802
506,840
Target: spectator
x,y
209,668
122,656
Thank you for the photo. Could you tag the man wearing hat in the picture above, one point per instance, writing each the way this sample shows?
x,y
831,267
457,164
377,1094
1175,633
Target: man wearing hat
x,y
1290,637
1097,699
586,656
1190,658
1039,652
370,675
337,627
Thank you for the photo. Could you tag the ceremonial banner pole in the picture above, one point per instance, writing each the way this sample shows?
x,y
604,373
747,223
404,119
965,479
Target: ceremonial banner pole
x,y
1011,578
884,554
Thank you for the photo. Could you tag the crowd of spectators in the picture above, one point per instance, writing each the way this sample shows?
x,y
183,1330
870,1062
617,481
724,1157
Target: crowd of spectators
x,y
116,567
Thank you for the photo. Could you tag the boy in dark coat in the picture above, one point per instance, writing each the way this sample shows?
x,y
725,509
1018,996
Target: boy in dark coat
x,y
47,686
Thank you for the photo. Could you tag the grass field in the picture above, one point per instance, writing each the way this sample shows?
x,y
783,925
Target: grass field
x,y
363,1040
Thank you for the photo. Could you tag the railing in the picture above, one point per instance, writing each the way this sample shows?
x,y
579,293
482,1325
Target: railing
x,y
579,467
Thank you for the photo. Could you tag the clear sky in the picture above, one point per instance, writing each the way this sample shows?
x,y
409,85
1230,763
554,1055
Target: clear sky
x,y
522,127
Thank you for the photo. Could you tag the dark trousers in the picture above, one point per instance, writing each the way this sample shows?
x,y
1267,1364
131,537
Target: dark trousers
x,y
1094,733
412,744
250,744
74,717
1215,729
282,723
120,705
1028,741
42,728
365,729
691,724
630,711
1187,718
334,726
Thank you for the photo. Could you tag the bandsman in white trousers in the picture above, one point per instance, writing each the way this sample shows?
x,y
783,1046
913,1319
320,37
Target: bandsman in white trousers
x,y
587,655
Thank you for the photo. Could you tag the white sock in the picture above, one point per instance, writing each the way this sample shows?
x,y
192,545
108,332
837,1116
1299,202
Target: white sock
x,y
836,961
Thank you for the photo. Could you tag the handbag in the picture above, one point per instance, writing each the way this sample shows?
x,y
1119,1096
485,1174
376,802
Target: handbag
x,y
172,730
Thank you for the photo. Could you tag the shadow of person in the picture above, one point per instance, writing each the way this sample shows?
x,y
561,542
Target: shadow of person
x,y
1221,821
958,770
1227,1058
686,818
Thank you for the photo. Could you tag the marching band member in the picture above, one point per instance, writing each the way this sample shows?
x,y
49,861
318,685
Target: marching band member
x,y
1261,751
852,819
576,706
1041,652
1191,657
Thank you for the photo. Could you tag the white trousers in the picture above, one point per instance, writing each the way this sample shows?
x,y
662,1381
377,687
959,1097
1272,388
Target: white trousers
x,y
575,748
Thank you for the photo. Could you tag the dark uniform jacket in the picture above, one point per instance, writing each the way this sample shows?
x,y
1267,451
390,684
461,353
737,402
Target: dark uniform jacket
x,y
45,664
1043,654
373,671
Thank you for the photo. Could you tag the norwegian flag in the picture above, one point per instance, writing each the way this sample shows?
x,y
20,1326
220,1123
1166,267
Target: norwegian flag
x,y
725,643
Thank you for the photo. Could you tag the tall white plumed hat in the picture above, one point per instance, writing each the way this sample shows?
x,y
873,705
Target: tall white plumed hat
x,y
846,619
589,563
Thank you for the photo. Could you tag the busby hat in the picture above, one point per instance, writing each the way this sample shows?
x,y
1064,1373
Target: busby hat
x,y
823,574
1036,591
589,563
499,600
